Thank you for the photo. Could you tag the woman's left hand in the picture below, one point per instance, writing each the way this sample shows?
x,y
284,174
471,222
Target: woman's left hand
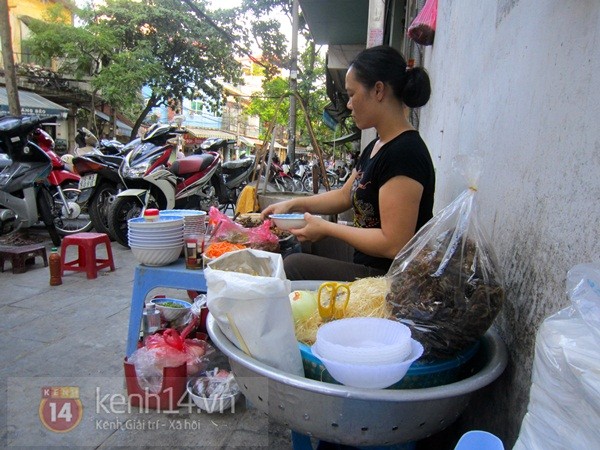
x,y
315,229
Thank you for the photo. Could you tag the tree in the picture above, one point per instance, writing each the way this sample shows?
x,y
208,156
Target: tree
x,y
311,71
124,46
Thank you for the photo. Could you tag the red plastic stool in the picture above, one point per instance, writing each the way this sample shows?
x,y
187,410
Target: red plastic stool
x,y
86,261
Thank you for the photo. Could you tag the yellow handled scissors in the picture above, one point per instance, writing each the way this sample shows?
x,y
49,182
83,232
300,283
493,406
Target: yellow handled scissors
x,y
328,296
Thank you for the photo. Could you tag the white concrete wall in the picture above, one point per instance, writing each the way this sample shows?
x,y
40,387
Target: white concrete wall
x,y
518,84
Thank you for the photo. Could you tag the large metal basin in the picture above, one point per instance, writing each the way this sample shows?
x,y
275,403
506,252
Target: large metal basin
x,y
355,416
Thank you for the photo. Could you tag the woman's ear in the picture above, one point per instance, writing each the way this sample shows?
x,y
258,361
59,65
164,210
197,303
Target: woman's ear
x,y
379,90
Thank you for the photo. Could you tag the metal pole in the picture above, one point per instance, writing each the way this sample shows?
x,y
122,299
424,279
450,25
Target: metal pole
x,y
12,89
291,150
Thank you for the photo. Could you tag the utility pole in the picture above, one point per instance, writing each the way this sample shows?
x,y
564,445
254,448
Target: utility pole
x,y
291,150
10,75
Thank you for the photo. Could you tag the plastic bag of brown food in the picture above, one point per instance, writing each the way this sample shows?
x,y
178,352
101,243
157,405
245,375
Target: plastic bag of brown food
x,y
422,28
445,283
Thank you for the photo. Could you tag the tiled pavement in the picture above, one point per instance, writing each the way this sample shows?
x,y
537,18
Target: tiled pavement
x,y
74,335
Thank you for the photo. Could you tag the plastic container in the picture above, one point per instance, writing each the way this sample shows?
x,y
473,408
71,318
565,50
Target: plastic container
x,y
54,263
151,215
421,374
371,376
150,320
364,340
172,388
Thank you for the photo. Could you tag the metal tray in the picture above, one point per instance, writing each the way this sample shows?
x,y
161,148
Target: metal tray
x,y
354,416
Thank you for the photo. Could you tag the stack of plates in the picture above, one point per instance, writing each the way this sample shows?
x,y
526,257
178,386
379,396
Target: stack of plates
x,y
194,221
156,243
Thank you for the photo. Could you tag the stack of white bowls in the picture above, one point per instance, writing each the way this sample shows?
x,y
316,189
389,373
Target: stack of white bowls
x,y
194,221
156,243
366,352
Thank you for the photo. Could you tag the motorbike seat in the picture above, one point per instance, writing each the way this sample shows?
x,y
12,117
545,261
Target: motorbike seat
x,y
191,164
19,126
237,164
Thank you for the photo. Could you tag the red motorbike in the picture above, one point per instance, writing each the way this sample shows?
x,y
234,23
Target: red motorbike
x,y
70,216
155,178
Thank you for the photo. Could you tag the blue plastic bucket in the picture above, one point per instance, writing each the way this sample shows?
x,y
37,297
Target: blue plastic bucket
x,y
420,375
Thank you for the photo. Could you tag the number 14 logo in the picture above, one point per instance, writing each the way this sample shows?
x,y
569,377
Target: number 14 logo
x,y
60,408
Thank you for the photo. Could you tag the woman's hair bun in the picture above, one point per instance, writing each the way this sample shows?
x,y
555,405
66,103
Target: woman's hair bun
x,y
417,87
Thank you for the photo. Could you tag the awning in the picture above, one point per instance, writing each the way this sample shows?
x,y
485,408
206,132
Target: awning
x,y
32,103
250,142
346,138
209,132
122,128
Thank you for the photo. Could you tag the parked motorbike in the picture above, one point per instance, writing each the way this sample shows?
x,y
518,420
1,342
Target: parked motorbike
x,y
308,180
70,212
100,183
299,171
232,176
282,180
156,179
342,174
25,196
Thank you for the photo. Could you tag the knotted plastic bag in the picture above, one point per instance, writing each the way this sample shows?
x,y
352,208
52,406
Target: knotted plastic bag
x,y
445,283
169,349
422,28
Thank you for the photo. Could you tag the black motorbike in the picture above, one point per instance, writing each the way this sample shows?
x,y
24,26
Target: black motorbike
x,y
25,197
100,182
232,176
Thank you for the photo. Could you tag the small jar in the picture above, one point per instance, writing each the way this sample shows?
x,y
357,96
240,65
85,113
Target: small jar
x,y
151,215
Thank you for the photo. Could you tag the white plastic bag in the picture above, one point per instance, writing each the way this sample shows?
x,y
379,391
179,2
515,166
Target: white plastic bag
x,y
248,295
564,401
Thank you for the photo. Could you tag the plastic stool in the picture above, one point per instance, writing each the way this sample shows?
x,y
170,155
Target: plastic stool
x,y
479,440
86,257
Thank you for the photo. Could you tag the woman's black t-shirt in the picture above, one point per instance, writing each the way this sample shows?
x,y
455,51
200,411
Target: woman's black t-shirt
x,y
405,155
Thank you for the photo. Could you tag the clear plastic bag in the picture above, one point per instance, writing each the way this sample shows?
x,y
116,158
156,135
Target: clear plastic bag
x,y
445,283
260,237
564,401
169,349
422,28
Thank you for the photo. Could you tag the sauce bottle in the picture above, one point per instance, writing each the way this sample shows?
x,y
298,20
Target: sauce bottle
x,y
54,263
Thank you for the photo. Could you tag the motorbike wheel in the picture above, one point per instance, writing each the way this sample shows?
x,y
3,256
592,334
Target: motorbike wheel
x,y
123,209
332,180
100,207
307,184
288,184
44,204
70,218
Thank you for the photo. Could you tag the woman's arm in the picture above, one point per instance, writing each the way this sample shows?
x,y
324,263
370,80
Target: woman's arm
x,y
399,200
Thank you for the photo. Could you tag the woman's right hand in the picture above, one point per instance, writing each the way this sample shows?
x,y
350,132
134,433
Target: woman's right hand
x,y
277,208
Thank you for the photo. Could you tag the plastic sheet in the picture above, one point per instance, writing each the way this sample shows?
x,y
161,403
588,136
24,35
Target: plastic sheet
x,y
564,401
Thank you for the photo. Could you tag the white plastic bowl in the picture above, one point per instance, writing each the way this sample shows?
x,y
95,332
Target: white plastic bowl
x,y
155,233
288,221
370,376
163,222
169,313
182,212
154,243
364,340
210,405
156,256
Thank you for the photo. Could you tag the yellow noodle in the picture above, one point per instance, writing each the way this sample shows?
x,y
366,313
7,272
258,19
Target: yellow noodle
x,y
367,299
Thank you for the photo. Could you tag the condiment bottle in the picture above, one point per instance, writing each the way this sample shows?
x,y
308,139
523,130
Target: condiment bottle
x,y
54,263
151,215
151,320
